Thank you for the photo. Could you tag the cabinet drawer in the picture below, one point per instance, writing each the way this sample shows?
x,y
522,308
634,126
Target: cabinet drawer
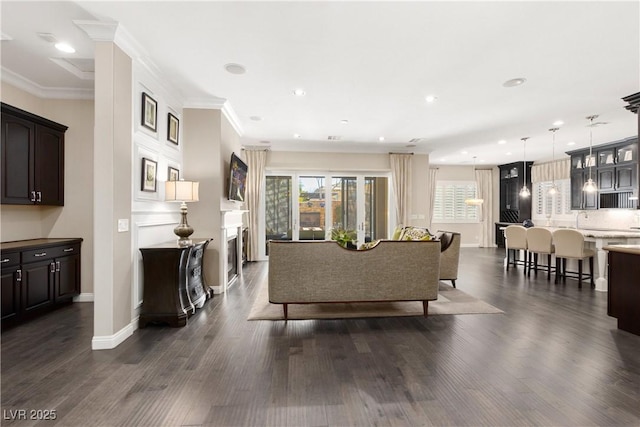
x,y
10,259
40,254
59,251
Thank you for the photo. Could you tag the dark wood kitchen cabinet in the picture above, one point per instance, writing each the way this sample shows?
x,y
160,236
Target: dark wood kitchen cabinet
x,y
513,208
32,159
38,275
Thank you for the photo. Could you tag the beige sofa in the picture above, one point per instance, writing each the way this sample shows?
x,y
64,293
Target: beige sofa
x,y
304,272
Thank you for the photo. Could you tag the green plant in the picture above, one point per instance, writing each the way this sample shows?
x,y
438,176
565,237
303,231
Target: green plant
x,y
343,237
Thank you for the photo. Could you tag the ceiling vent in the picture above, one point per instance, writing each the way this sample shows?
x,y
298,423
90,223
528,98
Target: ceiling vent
x,y
415,140
334,138
48,37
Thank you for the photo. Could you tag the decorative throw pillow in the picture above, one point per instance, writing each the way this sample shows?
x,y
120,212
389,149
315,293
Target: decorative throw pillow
x,y
369,245
397,233
415,233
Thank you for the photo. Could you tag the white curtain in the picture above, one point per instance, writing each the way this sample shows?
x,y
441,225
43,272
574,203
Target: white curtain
x,y
401,179
431,191
541,172
256,162
484,183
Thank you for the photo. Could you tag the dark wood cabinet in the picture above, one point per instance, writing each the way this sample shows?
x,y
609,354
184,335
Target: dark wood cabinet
x,y
32,159
38,275
174,284
614,168
624,287
513,208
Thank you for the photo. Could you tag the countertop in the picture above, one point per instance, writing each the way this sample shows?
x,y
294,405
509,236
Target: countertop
x,y
602,233
628,249
25,244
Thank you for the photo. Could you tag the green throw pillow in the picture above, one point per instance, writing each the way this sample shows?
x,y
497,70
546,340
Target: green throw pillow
x,y
397,232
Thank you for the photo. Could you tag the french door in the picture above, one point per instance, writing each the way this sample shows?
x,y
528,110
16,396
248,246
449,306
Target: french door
x,y
307,206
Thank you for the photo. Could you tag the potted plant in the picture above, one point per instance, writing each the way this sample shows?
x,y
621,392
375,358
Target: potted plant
x,y
344,238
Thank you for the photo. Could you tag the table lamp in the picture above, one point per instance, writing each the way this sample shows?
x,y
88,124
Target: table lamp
x,y
182,191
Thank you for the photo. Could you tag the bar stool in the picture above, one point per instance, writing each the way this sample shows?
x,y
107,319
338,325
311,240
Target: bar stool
x,y
540,242
516,240
569,244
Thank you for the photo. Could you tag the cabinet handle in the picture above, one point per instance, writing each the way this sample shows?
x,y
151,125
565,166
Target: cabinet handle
x,y
39,199
68,250
5,260
52,268
40,255
57,266
18,275
33,196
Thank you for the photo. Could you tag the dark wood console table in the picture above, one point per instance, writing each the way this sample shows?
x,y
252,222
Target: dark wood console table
x,y
624,286
174,284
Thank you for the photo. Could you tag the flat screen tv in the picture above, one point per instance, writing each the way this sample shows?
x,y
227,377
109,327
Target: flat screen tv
x,y
237,178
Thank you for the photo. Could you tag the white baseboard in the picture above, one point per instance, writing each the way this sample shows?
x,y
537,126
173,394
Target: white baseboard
x,y
84,297
108,342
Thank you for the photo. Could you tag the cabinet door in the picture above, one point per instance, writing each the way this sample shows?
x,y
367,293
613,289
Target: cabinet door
x,y
10,293
37,285
577,196
67,283
49,166
17,160
626,177
606,179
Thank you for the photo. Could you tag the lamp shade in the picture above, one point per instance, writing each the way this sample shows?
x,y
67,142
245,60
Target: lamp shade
x,y
181,191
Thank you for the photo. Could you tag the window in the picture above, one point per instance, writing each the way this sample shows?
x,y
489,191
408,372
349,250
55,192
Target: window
x,y
546,205
449,203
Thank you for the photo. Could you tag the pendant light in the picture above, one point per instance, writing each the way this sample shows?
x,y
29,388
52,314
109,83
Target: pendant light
x,y
474,201
524,192
553,190
590,186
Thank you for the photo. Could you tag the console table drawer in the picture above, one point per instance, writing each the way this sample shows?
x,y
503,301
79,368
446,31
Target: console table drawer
x,y
40,254
10,259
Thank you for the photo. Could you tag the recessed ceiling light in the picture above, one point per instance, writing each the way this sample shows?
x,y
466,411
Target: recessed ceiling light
x,y
508,153
431,98
411,145
64,47
296,135
381,138
464,152
299,92
344,121
571,143
502,142
443,159
514,82
235,68
256,118
481,160
558,123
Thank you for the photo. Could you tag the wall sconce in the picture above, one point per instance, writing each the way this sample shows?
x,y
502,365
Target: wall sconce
x,y
182,191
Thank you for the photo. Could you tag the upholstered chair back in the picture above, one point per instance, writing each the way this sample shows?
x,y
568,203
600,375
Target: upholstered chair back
x,y
539,240
516,236
569,244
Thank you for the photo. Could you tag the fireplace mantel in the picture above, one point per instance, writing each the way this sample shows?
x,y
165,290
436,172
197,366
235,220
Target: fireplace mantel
x,y
231,223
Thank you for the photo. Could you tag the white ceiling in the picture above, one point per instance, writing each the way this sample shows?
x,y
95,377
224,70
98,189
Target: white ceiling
x,y
372,64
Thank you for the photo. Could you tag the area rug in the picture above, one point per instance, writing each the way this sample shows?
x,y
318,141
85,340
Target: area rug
x,y
450,301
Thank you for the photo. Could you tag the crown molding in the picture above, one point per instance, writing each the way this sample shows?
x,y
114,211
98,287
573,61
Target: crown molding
x,y
33,88
98,31
215,103
84,75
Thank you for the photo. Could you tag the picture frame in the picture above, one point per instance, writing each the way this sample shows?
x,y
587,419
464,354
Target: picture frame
x,y
173,128
149,174
149,112
173,174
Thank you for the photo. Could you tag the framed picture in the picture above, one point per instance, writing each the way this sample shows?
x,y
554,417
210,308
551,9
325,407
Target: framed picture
x,y
173,128
149,112
173,174
149,173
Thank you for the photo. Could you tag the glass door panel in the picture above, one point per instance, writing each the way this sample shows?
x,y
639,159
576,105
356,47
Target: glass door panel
x,y
376,208
278,212
311,207
344,203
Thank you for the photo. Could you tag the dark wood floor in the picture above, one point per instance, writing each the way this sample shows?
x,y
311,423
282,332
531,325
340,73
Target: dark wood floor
x,y
553,358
